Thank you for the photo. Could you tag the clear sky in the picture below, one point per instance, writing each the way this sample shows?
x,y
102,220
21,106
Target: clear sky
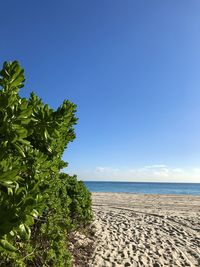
x,y
133,69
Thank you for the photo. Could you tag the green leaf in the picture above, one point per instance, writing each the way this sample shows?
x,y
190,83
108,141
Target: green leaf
x,y
10,175
10,191
19,149
12,76
24,231
6,245
35,213
29,219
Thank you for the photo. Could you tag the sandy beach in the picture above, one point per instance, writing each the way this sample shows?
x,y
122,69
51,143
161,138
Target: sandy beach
x,y
146,230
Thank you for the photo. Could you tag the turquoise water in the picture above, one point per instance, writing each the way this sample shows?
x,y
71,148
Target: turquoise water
x,y
145,188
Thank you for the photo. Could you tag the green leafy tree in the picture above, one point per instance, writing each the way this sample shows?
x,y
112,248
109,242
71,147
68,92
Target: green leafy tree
x,y
39,205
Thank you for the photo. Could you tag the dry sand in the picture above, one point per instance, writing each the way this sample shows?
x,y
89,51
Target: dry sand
x,y
146,230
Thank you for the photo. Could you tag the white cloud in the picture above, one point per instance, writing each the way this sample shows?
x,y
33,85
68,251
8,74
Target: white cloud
x,y
155,166
162,172
154,173
178,170
100,169
106,170
196,170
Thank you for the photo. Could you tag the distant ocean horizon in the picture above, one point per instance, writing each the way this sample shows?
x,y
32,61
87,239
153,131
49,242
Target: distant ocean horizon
x,y
144,187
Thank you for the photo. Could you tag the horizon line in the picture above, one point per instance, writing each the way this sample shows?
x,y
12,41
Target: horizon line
x,y
138,182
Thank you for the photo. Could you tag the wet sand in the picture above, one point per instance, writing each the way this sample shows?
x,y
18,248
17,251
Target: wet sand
x,y
146,230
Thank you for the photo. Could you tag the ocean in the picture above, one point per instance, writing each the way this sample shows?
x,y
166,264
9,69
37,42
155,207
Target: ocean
x,y
144,187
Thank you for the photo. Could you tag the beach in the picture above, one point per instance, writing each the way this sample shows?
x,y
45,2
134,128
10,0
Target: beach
x,y
146,230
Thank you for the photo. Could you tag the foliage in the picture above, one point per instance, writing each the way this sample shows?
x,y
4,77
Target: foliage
x,y
38,204
80,205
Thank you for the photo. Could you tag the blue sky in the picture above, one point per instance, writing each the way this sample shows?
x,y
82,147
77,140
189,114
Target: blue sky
x,y
133,69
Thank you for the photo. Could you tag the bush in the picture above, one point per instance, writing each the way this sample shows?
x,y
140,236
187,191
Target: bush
x,y
39,205
80,205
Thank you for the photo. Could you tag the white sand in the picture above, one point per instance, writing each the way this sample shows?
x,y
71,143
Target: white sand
x,y
146,230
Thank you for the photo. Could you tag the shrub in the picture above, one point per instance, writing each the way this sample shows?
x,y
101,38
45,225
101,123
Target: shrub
x,y
38,204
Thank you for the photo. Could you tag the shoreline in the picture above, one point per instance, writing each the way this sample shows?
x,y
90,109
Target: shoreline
x,y
149,230
140,193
